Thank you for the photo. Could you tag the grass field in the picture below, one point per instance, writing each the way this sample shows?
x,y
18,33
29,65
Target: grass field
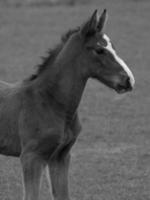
x,y
111,159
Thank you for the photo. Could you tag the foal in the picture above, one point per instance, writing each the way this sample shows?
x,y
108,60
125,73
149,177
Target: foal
x,y
39,118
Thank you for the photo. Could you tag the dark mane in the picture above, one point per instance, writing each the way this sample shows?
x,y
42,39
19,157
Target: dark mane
x,y
52,54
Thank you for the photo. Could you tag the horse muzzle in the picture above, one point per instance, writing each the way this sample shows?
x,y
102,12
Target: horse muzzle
x,y
126,84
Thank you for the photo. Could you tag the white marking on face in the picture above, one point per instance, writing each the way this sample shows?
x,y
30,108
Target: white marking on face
x,y
118,59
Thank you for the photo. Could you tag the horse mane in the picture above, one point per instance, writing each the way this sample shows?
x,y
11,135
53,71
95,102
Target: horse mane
x,y
52,54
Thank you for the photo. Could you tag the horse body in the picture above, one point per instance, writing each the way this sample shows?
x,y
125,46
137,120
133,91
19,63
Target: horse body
x,y
39,117
29,116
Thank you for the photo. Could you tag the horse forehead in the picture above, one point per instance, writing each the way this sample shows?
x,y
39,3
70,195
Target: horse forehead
x,y
109,46
106,38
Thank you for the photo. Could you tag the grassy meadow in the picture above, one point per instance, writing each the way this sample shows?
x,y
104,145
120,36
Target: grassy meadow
x,y
111,158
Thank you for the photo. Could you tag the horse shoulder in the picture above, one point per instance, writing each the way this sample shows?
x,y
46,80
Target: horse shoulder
x,y
40,129
10,104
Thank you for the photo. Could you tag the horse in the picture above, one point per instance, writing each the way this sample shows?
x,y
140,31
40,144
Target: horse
x,y
39,121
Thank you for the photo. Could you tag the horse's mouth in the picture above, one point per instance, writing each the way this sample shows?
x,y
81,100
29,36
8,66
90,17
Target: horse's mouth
x,y
122,89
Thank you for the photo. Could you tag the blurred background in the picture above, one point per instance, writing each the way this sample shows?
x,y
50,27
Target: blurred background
x,y
111,158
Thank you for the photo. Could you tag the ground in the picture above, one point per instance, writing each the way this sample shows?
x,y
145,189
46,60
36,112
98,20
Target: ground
x,y
111,159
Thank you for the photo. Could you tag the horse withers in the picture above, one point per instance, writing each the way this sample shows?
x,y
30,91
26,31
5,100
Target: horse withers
x,y
39,117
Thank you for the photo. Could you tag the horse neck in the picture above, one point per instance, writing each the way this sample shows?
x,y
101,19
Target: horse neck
x,y
64,85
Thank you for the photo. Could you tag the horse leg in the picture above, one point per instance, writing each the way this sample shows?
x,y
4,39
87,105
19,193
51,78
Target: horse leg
x,y
58,172
32,165
47,175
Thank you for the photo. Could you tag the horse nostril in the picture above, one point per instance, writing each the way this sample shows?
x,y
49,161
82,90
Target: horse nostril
x,y
125,84
128,83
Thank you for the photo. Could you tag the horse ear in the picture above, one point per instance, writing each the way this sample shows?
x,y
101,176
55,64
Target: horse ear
x,y
90,27
102,20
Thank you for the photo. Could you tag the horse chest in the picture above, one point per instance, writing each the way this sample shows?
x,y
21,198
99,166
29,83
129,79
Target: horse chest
x,y
49,138
53,142
69,137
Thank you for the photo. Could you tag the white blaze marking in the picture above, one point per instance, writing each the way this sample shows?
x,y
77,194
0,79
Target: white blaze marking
x,y
119,60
